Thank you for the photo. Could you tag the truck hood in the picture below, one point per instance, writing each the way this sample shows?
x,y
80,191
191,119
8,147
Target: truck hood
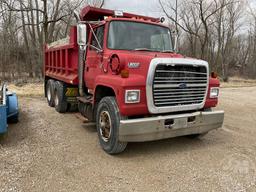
x,y
146,55
141,60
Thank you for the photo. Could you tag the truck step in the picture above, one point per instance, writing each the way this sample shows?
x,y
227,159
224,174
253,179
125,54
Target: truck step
x,y
87,99
81,117
85,120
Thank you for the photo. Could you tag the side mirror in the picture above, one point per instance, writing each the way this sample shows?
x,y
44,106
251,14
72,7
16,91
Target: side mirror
x,y
175,41
81,34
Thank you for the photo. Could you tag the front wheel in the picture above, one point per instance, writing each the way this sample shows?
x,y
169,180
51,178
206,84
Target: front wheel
x,y
13,119
196,136
201,135
108,121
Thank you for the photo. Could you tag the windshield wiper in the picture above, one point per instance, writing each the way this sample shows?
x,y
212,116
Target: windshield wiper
x,y
167,51
143,49
147,49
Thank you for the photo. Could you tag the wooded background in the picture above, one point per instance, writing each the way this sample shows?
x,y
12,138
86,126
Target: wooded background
x,y
223,32
26,25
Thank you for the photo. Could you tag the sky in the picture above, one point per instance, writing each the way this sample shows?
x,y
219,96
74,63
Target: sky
x,y
142,7
152,7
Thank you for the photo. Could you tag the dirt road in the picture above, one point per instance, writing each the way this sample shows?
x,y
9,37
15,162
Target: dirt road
x,y
48,151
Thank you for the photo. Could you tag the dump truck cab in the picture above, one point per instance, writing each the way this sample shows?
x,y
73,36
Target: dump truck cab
x,y
130,80
121,62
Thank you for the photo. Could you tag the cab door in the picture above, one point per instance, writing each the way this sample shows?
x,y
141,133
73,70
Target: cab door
x,y
94,56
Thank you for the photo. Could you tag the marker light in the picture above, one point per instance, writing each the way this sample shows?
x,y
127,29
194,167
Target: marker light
x,y
125,73
214,75
119,13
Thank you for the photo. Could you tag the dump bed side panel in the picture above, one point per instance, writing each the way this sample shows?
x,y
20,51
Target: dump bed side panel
x,y
61,60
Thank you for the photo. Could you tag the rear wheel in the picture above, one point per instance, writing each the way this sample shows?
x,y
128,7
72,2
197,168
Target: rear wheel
x,y
108,121
60,102
50,92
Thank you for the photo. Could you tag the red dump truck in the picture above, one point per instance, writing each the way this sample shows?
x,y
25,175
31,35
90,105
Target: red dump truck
x,y
122,72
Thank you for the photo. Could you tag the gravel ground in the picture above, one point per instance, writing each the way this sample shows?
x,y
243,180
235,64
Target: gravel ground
x,y
48,151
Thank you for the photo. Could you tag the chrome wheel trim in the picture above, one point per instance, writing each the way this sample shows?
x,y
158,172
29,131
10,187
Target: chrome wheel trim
x,y
56,99
105,126
48,93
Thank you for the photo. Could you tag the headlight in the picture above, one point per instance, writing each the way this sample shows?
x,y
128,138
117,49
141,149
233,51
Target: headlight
x,y
132,96
214,92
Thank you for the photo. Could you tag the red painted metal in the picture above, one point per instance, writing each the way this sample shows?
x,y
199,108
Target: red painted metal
x,y
94,14
62,63
214,82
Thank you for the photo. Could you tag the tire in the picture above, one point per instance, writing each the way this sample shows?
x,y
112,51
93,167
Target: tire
x,y
108,113
50,92
199,136
196,136
14,119
60,102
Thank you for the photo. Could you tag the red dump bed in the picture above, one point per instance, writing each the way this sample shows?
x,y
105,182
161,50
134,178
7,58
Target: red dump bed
x,y
61,60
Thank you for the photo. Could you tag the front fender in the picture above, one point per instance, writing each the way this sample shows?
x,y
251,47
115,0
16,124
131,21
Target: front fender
x,y
119,85
212,102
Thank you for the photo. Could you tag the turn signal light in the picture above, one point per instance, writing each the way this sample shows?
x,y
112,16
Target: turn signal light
x,y
214,75
125,73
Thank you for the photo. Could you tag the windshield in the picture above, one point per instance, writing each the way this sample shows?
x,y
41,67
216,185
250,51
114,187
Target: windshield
x,y
126,35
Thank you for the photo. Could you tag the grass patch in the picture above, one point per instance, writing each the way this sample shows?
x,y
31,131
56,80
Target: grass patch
x,y
30,89
238,82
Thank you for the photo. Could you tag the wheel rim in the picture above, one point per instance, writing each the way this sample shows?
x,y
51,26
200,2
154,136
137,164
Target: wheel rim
x,y
49,96
105,126
56,99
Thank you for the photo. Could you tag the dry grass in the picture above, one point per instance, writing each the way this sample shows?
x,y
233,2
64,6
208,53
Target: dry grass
x,y
238,82
30,89
37,89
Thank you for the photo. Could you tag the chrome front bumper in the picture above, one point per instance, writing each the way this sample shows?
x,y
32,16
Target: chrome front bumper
x,y
162,127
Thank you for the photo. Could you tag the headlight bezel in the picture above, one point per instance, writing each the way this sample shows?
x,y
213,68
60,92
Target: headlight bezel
x,y
130,91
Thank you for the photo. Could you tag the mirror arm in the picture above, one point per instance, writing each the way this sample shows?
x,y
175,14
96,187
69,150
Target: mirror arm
x,y
98,49
76,14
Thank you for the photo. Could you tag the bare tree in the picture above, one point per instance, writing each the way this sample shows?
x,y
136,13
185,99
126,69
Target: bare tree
x,y
210,30
37,22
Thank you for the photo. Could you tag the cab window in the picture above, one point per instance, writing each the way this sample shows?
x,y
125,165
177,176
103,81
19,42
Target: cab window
x,y
99,32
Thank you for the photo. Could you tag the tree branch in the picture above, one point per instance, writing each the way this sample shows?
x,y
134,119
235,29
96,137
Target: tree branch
x,y
176,22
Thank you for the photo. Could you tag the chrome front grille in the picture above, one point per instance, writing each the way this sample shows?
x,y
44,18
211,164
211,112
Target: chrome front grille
x,y
179,85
